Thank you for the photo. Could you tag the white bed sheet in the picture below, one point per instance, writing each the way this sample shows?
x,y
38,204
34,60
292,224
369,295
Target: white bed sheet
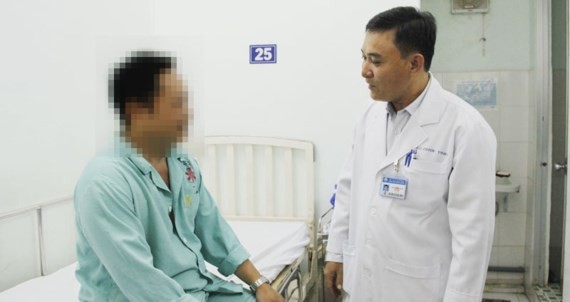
x,y
272,245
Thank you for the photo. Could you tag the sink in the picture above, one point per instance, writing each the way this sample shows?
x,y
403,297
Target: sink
x,y
507,188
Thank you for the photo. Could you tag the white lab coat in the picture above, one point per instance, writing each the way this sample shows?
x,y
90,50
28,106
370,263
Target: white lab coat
x,y
435,245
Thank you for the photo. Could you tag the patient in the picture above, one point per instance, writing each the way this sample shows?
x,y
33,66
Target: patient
x,y
146,223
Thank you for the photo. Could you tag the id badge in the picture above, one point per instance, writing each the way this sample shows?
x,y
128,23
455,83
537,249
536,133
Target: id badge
x,y
394,186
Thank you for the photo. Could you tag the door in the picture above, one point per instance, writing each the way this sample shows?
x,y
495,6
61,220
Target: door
x,y
559,142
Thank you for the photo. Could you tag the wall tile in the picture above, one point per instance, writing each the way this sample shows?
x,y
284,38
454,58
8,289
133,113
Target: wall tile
x,y
514,159
511,255
531,190
439,76
510,278
512,89
493,117
532,124
496,237
492,275
487,75
450,78
512,229
533,163
514,124
529,267
499,162
494,261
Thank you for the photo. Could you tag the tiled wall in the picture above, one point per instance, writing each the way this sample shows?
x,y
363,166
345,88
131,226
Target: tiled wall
x,y
513,121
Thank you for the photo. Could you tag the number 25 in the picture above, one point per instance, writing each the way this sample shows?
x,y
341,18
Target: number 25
x,y
263,54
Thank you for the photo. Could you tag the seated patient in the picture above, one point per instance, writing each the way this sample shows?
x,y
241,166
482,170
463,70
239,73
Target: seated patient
x,y
145,221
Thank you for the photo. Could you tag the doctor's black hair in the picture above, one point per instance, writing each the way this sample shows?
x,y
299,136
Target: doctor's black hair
x,y
415,30
136,79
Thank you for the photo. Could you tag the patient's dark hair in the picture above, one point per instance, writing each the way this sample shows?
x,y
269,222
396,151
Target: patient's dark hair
x,y
137,79
415,30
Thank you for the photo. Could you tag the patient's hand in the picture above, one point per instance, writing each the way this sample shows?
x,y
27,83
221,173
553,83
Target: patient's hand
x,y
333,278
266,293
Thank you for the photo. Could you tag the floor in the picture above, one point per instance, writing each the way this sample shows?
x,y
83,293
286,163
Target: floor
x,y
508,297
551,293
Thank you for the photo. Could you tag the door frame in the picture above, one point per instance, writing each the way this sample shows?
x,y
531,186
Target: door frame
x,y
538,269
566,236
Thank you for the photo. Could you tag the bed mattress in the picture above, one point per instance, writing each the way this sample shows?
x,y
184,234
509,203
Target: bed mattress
x,y
272,244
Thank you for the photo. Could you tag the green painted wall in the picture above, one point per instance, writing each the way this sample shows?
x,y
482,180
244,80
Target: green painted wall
x,y
508,28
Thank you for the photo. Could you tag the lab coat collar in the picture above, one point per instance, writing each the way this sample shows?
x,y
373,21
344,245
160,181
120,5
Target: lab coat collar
x,y
413,134
411,137
413,106
432,106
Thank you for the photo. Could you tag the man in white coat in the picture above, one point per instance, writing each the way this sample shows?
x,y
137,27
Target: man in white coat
x,y
414,213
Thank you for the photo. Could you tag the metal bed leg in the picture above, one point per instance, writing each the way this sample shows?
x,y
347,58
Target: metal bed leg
x,y
287,292
41,241
322,240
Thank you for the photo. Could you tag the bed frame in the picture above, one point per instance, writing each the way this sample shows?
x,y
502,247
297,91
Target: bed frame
x,y
50,247
267,179
250,178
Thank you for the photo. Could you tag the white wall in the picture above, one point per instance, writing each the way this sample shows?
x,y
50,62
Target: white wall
x,y
47,91
313,93
53,62
55,56
48,101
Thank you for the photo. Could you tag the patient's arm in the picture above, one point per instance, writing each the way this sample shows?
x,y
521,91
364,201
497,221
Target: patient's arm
x,y
249,274
220,245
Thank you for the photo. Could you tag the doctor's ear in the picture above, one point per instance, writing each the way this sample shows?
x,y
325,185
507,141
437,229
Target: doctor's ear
x,y
417,62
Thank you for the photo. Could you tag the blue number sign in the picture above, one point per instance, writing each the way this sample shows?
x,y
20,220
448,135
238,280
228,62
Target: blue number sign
x,y
263,54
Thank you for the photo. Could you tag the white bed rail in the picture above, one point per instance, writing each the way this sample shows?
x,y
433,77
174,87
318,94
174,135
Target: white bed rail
x,y
268,179
18,221
260,177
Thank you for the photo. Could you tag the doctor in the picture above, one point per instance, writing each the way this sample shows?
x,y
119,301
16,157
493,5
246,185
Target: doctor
x,y
414,213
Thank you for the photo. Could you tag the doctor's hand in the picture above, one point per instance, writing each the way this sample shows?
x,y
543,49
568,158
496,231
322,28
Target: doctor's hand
x,y
333,278
266,293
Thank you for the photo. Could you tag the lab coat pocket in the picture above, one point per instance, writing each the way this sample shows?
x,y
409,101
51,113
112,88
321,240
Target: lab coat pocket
x,y
403,282
349,267
429,167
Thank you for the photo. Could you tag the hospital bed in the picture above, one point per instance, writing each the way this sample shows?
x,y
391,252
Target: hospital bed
x,y
263,186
